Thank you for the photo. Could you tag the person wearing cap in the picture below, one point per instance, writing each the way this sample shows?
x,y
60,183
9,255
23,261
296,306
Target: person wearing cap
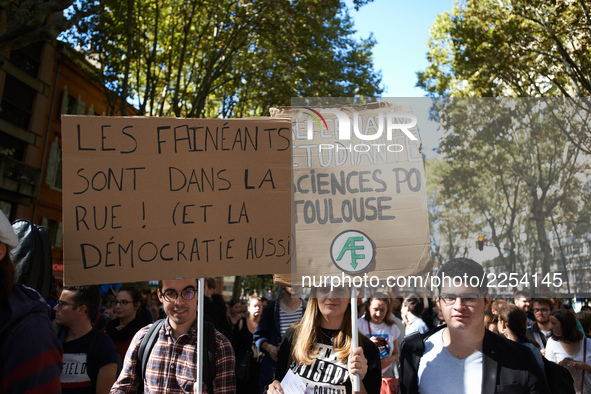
x,y
462,356
277,317
31,353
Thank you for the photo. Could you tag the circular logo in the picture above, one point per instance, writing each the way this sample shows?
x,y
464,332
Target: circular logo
x,y
352,251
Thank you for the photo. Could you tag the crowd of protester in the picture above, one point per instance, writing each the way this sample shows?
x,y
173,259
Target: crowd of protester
x,y
94,342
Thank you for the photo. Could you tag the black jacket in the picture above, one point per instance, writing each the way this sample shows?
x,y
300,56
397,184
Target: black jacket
x,y
537,335
508,367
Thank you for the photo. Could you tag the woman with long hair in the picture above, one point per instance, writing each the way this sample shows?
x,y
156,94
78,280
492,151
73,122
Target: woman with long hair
x,y
512,325
319,348
569,348
379,326
235,312
126,323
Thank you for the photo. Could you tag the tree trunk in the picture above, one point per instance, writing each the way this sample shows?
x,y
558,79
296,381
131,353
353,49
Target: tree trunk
x,y
237,291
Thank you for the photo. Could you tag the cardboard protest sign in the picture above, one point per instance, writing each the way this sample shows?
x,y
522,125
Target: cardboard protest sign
x,y
160,198
360,201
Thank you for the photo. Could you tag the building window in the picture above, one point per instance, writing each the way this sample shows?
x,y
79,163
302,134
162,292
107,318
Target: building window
x,y
28,58
70,105
55,231
11,146
17,101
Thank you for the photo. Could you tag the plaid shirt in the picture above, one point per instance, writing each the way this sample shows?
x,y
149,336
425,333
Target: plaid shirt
x,y
172,365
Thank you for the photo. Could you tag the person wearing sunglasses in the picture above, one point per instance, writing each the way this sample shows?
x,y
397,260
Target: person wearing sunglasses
x,y
172,365
127,321
462,356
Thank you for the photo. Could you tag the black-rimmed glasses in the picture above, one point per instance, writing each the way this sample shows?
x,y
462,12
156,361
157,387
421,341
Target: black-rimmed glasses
x,y
172,295
122,302
60,304
468,299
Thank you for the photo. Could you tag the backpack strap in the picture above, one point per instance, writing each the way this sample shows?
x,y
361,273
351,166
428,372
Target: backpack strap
x,y
209,349
144,351
415,343
94,354
150,339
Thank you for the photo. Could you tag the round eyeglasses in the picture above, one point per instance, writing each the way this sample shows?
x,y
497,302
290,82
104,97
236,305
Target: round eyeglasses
x,y
172,295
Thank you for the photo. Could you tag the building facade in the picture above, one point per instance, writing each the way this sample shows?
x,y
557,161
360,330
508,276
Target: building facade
x,y
39,84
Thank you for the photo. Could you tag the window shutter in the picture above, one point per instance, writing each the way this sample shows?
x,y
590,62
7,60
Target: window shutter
x,y
65,101
80,107
52,163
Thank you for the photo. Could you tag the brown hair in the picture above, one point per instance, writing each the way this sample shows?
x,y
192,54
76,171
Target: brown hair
x,y
497,304
414,304
134,292
546,301
210,283
89,296
388,315
489,318
570,331
516,320
584,317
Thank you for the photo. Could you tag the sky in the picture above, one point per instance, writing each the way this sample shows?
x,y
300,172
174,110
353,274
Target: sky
x,y
401,28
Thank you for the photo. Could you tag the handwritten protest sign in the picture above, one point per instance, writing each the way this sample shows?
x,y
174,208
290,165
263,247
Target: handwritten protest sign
x,y
159,198
360,201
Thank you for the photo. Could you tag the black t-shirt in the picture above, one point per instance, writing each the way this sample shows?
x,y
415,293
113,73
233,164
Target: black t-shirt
x,y
75,379
326,375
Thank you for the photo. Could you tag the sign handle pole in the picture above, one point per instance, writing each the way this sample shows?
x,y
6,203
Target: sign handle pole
x,y
356,382
199,380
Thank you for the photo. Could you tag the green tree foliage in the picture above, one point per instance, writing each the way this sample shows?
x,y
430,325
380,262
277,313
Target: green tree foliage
x,y
510,47
508,169
525,48
28,21
251,284
231,58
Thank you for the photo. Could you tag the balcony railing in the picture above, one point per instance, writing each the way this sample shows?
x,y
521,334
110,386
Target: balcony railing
x,y
18,177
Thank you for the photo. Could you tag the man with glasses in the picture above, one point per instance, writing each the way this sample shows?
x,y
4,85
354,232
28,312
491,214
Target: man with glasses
x,y
541,330
172,366
90,359
462,356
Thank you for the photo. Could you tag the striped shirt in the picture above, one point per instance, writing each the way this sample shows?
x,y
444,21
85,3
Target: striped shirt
x,y
286,319
172,364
